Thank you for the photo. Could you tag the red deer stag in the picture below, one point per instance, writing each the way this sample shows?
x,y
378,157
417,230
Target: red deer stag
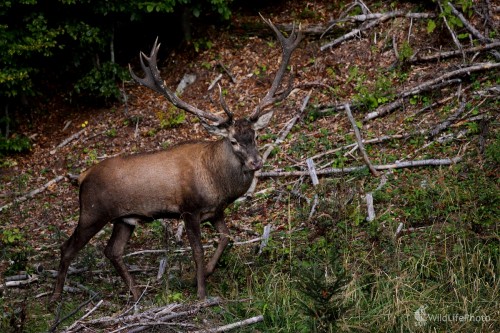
x,y
192,181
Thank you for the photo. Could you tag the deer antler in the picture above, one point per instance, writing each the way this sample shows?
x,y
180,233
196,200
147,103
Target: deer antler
x,y
288,45
154,81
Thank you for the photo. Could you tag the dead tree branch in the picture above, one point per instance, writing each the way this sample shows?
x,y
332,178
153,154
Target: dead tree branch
x,y
359,139
388,108
375,19
232,326
445,124
397,165
449,54
452,33
139,322
68,140
431,84
473,30
33,193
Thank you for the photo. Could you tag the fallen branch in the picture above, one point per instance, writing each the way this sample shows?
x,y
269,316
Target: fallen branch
x,y
431,85
232,326
377,19
214,82
360,141
388,108
233,79
397,165
33,193
68,140
473,30
448,54
58,321
445,124
84,316
20,282
152,317
452,33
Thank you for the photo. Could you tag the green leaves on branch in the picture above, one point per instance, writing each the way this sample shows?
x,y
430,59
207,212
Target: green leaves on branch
x,y
466,6
102,81
71,41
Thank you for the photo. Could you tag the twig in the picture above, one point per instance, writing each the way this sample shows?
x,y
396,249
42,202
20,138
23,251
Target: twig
x,y
473,30
78,308
214,82
397,165
452,33
265,238
377,19
233,79
67,140
314,178
144,325
196,309
448,54
468,25
445,124
232,326
354,33
84,316
360,140
431,84
388,108
33,193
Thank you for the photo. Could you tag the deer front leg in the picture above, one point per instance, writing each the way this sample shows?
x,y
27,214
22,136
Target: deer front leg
x,y
223,231
193,231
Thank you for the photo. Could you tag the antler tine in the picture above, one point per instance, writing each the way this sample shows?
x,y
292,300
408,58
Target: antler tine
x,y
154,81
288,45
224,106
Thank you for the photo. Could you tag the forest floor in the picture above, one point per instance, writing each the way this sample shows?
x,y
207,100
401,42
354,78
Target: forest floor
x,y
432,247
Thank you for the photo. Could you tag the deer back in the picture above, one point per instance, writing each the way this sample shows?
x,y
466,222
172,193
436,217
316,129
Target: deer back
x,y
204,176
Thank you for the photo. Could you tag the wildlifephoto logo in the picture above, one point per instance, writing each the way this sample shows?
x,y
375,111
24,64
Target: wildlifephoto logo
x,y
422,318
421,315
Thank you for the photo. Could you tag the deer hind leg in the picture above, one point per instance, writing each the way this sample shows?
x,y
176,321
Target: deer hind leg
x,y
114,252
80,237
193,232
223,231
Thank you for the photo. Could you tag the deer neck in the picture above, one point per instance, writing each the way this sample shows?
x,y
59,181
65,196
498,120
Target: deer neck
x,y
228,171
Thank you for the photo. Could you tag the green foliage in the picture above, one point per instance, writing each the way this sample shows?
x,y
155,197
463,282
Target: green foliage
x,y
431,26
321,283
14,144
465,6
202,44
171,118
102,81
371,96
405,52
39,42
11,236
492,151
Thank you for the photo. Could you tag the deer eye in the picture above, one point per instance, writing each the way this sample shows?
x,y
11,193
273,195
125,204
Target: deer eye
x,y
234,142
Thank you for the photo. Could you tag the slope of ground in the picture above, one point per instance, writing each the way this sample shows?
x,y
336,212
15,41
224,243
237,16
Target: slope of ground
x,y
432,247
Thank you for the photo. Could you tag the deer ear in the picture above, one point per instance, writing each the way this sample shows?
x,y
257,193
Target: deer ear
x,y
216,130
263,121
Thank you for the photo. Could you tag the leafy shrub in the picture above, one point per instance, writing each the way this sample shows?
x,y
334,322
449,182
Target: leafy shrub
x,y
102,82
15,144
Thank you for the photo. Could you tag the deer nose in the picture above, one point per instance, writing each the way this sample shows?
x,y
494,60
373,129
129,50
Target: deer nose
x,y
256,164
